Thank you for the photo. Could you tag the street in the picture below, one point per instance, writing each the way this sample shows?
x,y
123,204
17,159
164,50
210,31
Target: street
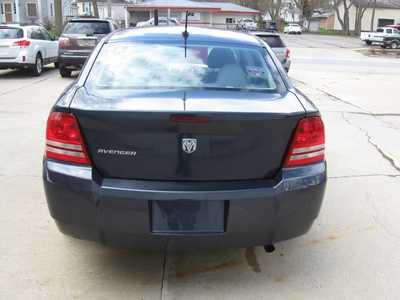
x,y
351,252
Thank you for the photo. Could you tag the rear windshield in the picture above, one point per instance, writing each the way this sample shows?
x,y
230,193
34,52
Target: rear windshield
x,y
380,30
10,33
140,65
87,27
274,41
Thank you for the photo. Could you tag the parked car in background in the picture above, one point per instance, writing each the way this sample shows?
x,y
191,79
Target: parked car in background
x,y
247,24
78,40
162,21
157,146
277,45
377,36
293,28
396,26
271,27
26,47
391,42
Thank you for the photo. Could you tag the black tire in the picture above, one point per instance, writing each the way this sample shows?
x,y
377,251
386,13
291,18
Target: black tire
x,y
369,43
37,68
394,45
56,65
65,73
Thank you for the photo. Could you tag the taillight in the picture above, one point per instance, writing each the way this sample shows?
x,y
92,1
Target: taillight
x,y
64,140
308,143
287,53
64,42
22,43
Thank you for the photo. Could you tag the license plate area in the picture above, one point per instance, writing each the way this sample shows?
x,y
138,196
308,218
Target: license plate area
x,y
188,217
86,43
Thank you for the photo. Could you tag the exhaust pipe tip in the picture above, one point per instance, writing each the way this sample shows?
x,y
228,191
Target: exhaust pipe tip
x,y
269,248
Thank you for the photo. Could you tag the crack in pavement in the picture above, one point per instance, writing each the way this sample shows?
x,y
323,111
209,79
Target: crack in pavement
x,y
25,86
337,99
387,157
164,275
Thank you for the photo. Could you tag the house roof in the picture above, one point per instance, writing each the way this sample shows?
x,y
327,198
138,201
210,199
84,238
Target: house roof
x,y
181,5
394,4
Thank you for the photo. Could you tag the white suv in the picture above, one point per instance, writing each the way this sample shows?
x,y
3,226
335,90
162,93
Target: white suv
x,y
24,47
293,28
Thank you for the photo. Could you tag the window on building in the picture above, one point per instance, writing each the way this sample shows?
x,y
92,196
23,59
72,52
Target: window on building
x,y
1,9
230,20
31,10
15,8
385,22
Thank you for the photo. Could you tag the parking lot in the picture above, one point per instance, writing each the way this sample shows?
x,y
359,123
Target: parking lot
x,y
351,252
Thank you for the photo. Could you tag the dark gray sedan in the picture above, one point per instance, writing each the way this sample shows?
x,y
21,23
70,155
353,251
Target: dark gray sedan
x,y
184,140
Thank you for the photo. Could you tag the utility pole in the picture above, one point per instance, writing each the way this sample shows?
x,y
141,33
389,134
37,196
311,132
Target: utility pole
x,y
58,16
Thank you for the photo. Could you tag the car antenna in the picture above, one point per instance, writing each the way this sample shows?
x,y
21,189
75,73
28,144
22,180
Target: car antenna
x,y
185,34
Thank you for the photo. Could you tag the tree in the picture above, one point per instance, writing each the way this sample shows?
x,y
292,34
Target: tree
x,y
361,6
373,16
95,8
344,19
58,16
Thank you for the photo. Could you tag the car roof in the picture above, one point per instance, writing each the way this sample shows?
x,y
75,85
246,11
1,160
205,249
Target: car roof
x,y
174,33
272,33
88,19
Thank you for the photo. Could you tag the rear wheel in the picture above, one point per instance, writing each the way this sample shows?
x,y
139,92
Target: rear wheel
x,y
394,45
368,43
56,65
65,73
37,69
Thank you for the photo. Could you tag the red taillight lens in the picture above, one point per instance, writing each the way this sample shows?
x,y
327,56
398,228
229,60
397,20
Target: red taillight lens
x,y
308,143
64,43
287,53
22,43
64,140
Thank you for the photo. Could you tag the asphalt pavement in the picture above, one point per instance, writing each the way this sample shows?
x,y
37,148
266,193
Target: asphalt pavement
x,y
351,252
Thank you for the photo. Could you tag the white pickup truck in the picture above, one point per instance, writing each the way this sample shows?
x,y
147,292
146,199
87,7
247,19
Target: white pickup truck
x,y
378,35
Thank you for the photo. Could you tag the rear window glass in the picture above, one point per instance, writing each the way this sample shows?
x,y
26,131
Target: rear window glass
x,y
380,30
273,41
11,33
88,27
140,65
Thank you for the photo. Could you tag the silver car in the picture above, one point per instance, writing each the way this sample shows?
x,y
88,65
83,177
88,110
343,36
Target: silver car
x,y
278,46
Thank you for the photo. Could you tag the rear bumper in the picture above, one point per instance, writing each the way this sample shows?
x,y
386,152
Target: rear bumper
x,y
72,61
118,212
14,65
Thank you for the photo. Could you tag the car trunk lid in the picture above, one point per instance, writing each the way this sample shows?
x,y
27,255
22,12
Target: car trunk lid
x,y
187,135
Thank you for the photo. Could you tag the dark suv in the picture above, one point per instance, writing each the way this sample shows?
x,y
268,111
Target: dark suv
x,y
77,41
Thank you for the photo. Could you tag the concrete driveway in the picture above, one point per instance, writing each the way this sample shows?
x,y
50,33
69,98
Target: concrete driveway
x,y
352,251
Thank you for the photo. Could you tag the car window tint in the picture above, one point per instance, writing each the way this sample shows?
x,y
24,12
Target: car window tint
x,y
11,33
274,41
45,34
37,34
87,27
389,31
134,65
380,30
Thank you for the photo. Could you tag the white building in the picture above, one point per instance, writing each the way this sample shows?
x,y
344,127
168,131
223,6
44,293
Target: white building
x,y
387,12
215,14
33,11
113,9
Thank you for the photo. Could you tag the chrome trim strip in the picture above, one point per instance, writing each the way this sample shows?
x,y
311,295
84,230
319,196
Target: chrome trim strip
x,y
309,149
307,155
70,170
64,152
65,146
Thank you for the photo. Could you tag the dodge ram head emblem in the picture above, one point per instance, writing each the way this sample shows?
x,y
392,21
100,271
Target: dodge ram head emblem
x,y
189,145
